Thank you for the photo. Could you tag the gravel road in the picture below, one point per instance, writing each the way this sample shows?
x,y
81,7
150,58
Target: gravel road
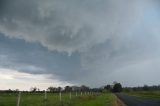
x,y
137,101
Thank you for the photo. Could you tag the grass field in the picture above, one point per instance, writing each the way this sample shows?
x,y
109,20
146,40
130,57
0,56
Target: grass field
x,y
146,94
37,99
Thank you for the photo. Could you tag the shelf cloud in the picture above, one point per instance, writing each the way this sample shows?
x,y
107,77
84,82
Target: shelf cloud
x,y
69,26
99,37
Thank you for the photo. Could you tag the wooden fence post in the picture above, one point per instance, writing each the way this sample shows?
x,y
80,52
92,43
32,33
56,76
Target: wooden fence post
x,y
76,93
18,98
70,95
45,95
60,96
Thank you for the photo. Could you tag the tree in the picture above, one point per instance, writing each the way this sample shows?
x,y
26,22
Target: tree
x,y
84,88
59,89
51,89
68,89
117,87
145,88
33,89
108,87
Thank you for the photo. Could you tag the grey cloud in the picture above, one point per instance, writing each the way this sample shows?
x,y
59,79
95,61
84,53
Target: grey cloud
x,y
68,26
108,35
33,58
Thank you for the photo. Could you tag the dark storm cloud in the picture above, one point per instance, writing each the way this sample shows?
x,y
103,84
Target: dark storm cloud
x,y
34,59
68,26
102,36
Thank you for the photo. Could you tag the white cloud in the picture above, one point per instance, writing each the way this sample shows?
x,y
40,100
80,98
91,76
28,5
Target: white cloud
x,y
13,79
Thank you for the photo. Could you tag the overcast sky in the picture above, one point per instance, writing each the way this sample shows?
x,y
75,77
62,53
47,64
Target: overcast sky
x,y
65,42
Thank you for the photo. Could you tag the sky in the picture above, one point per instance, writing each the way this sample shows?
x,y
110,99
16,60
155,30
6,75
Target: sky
x,y
73,42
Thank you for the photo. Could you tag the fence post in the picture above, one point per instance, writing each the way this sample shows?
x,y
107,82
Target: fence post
x,y
70,95
76,93
45,95
18,98
60,96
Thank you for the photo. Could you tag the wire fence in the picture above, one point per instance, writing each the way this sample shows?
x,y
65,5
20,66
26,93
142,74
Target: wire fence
x,y
40,99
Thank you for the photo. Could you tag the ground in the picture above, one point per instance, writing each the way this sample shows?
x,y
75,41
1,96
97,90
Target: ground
x,y
37,99
138,99
146,94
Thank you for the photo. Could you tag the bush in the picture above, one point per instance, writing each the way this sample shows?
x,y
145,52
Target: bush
x,y
117,87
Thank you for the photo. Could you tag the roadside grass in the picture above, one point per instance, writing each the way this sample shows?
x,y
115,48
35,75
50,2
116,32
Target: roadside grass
x,y
146,94
116,101
37,99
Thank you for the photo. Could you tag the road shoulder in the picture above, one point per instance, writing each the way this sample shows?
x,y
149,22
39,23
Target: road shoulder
x,y
117,101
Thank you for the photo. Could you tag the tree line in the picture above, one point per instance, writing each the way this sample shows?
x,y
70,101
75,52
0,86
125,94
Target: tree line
x,y
142,88
115,87
83,88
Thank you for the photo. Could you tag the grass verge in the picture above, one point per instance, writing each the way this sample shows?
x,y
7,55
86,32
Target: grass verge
x,y
37,99
116,101
146,94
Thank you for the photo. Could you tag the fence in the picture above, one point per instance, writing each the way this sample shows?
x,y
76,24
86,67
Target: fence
x,y
21,98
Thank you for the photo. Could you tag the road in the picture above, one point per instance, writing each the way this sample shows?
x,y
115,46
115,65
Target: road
x,y
137,101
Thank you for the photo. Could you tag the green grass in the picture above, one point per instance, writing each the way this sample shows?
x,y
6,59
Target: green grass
x,y
37,99
146,94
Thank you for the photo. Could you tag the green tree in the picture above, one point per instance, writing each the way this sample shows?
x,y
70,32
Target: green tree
x,y
51,89
107,87
145,88
117,87
68,89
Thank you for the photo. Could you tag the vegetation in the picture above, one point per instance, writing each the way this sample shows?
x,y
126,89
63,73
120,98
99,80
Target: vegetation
x,y
37,99
146,94
75,96
70,96
146,91
142,88
117,87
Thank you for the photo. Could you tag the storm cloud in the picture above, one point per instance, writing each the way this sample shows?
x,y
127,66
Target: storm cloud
x,y
69,26
100,36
